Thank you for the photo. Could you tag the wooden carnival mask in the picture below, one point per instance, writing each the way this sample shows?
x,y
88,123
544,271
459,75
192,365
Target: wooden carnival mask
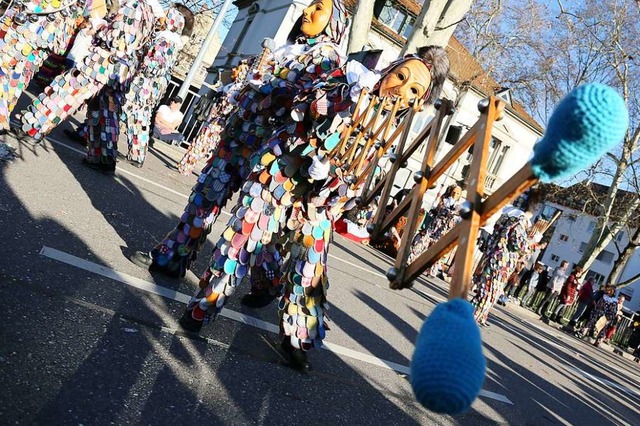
x,y
316,17
409,80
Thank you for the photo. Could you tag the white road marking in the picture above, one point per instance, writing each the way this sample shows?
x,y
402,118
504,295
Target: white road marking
x,y
602,380
141,284
150,182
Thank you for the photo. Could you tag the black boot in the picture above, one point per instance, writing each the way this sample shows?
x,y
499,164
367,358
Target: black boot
x,y
75,136
144,260
190,324
257,299
297,357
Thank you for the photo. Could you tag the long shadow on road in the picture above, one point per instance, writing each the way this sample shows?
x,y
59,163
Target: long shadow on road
x,y
107,359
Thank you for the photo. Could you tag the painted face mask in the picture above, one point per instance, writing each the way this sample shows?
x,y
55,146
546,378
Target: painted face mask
x,y
328,17
408,79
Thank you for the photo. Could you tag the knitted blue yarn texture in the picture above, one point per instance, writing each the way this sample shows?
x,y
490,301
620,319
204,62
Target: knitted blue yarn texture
x,y
448,367
588,122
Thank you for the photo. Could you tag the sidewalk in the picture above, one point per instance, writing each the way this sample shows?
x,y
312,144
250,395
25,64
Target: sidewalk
x,y
532,317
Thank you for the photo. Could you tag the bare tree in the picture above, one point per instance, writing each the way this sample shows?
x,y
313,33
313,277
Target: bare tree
x,y
623,260
544,51
436,23
607,52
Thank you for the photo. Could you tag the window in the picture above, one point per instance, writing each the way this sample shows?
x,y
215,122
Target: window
x,y
583,247
408,27
497,153
555,258
564,237
390,15
592,226
548,212
605,256
598,278
619,236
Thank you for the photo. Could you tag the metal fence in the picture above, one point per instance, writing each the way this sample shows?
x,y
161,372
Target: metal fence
x,y
189,126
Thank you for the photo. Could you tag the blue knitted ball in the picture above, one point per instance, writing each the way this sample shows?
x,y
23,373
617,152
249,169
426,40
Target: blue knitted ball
x,y
448,367
587,123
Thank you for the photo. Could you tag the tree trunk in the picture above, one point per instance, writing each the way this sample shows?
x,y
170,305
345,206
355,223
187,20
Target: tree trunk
x,y
600,234
606,236
624,258
436,23
360,25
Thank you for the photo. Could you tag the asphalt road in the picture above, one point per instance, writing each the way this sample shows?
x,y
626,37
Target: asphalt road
x,y
86,337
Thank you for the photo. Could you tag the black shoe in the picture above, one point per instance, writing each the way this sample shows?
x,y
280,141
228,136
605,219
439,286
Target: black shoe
x,y
75,136
257,300
297,357
188,323
143,260
135,164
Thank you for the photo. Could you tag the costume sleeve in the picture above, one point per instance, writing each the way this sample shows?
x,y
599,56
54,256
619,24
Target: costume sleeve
x,y
518,238
299,74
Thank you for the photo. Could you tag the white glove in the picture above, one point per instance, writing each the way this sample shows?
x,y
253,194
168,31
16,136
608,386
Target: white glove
x,y
255,84
319,168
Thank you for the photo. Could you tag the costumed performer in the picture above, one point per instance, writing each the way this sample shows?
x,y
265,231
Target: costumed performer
x,y
150,82
508,243
209,135
262,105
294,190
104,75
29,32
441,219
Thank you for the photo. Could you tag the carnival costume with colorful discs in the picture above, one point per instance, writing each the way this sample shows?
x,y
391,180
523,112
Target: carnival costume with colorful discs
x,y
278,174
262,106
209,136
508,243
106,71
309,226
150,83
443,217
29,32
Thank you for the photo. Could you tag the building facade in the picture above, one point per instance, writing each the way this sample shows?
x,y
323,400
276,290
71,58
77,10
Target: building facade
x,y
514,136
570,236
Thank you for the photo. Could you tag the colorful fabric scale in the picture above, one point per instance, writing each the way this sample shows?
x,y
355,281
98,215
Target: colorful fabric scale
x,y
150,83
508,243
443,217
105,72
202,147
281,204
209,136
260,108
29,32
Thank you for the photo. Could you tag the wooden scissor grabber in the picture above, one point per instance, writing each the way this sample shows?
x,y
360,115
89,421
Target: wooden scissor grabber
x,y
448,368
